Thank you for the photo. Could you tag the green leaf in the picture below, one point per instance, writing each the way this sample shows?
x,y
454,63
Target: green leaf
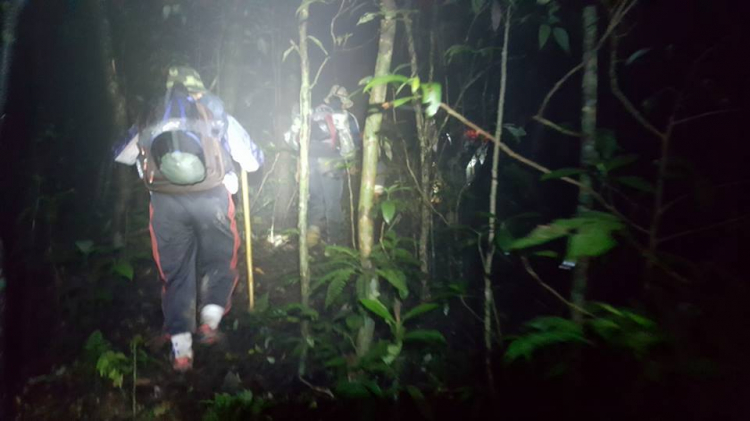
x,y
455,50
562,172
401,101
367,17
517,132
354,322
425,336
415,83
384,80
378,308
388,208
636,55
547,331
351,390
562,38
335,288
503,239
318,43
542,2
637,183
618,162
544,33
606,143
397,279
540,235
547,253
85,246
590,241
432,96
418,310
289,51
124,269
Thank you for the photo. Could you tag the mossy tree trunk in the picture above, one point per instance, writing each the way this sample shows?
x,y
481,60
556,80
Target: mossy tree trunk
x,y
304,170
371,151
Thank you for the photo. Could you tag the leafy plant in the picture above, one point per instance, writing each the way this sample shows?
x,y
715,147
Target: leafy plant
x,y
237,407
609,326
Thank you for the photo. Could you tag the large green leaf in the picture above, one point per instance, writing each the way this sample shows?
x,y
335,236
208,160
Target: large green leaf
x,y
590,241
546,331
388,208
124,269
544,33
424,336
540,235
378,308
562,38
384,80
635,56
352,390
335,288
397,279
318,43
420,309
432,97
367,17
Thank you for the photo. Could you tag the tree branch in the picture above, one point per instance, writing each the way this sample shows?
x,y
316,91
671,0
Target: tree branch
x,y
703,115
701,229
538,166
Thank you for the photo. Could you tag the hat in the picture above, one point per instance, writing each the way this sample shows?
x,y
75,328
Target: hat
x,y
187,76
341,93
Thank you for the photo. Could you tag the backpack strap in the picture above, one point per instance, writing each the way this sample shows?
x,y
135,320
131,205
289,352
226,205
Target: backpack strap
x,y
332,130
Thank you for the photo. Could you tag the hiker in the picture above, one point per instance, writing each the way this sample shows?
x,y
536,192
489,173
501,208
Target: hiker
x,y
334,141
184,152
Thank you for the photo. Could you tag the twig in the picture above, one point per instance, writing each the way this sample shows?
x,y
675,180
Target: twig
x,y
473,313
533,274
556,126
703,115
422,194
619,13
615,87
320,70
323,390
263,183
701,229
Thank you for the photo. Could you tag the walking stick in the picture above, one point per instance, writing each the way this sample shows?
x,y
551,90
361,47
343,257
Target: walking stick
x,y
248,238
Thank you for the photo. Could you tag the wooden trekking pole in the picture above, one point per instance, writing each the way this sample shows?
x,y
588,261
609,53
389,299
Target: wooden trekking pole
x,y
248,238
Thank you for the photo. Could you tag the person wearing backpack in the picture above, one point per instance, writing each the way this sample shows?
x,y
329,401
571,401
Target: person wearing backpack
x,y
184,151
334,142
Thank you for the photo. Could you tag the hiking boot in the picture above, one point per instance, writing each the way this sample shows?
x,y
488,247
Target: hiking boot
x,y
208,336
182,364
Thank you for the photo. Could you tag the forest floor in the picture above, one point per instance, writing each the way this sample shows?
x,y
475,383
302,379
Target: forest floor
x,y
250,357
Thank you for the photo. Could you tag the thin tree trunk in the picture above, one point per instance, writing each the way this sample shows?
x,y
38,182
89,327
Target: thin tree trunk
x,y
369,166
588,148
119,124
13,9
490,254
304,173
424,163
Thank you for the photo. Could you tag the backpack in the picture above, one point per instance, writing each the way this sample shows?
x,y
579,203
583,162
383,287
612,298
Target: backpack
x,y
330,131
183,151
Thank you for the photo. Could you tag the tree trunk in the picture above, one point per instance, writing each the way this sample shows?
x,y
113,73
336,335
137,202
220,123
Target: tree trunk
x,y
425,161
13,9
588,148
369,165
119,124
490,254
304,172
